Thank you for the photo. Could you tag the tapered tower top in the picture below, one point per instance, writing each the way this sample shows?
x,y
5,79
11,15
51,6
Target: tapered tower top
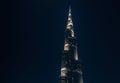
x,y
70,40
70,23
71,71
70,9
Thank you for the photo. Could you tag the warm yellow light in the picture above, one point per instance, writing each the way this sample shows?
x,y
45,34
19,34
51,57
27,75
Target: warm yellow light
x,y
66,47
64,72
72,33
76,54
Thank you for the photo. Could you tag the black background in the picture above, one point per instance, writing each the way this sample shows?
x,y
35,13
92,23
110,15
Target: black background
x,y
32,35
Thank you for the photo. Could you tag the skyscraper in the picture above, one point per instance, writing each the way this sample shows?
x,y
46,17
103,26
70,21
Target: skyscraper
x,y
71,71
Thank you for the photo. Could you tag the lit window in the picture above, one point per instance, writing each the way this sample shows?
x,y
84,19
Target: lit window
x,y
72,33
64,72
66,47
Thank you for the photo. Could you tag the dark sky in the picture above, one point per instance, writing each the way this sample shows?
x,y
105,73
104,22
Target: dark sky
x,y
34,36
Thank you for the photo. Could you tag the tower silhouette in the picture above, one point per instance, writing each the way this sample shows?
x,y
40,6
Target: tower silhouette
x,y
71,71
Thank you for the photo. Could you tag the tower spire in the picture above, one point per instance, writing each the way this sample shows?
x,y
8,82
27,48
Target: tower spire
x,y
69,8
70,23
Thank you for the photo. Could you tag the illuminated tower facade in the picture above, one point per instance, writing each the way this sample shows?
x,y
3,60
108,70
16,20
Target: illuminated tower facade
x,y
71,71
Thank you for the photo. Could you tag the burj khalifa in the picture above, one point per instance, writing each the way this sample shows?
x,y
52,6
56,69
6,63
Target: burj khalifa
x,y
71,69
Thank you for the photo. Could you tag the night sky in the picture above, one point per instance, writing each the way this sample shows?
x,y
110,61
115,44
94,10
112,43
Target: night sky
x,y
33,39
